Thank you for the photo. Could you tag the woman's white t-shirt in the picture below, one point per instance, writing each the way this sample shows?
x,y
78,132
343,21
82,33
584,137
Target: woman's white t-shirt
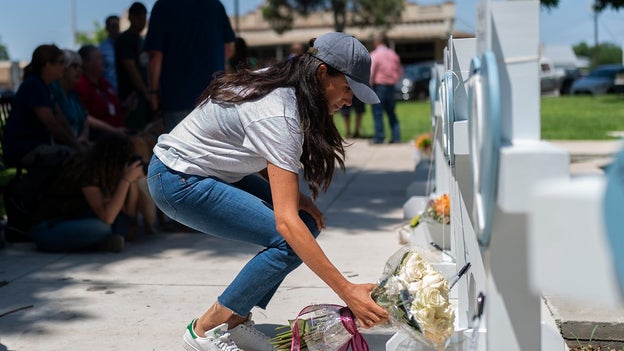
x,y
230,141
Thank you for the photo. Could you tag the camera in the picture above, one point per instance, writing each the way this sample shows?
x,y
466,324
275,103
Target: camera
x,y
135,158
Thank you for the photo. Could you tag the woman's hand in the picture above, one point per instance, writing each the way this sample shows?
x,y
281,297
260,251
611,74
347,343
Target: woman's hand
x,y
366,311
131,102
120,130
306,204
133,171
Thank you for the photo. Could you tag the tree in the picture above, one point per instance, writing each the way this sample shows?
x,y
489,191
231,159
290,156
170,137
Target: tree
x,y
609,53
599,5
95,37
378,13
4,52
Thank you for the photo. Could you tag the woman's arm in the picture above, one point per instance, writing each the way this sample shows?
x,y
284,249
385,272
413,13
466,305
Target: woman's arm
x,y
83,138
95,123
60,131
107,211
155,67
286,197
135,77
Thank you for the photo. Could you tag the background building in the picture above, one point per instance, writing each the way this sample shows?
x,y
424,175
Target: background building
x,y
421,34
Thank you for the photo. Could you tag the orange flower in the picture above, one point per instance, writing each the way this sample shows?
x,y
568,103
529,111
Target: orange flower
x,y
443,205
423,142
439,209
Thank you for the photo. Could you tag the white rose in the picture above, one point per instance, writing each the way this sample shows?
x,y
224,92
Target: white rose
x,y
431,298
438,336
394,285
442,327
435,280
414,287
424,316
413,268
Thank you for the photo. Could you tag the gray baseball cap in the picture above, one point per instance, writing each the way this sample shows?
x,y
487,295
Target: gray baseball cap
x,y
349,56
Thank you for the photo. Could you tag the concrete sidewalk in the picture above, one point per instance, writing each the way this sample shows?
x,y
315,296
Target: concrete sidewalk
x,y
143,298
580,323
588,156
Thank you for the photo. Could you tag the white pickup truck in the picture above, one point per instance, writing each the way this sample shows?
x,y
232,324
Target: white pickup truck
x,y
550,77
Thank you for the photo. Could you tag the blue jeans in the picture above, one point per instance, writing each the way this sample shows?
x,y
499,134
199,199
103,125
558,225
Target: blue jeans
x,y
387,103
240,211
80,234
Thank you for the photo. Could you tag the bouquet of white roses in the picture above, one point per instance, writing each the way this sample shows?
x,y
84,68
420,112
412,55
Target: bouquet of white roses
x,y
416,297
410,289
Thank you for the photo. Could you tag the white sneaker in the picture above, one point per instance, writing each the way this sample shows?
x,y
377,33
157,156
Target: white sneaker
x,y
249,338
216,339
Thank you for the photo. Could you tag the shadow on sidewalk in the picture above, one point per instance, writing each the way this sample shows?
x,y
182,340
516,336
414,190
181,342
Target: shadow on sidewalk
x,y
359,200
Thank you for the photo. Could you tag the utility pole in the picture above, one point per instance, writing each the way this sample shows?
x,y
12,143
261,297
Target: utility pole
x,y
73,22
596,43
236,17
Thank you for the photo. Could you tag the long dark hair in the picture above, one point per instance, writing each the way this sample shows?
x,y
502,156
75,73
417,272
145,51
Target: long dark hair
x,y
103,163
43,54
323,145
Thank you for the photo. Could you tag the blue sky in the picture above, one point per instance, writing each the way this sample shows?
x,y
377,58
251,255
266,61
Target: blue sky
x,y
25,24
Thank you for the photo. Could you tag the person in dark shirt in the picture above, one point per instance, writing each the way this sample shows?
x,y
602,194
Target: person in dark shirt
x,y
90,203
107,47
34,122
187,41
132,68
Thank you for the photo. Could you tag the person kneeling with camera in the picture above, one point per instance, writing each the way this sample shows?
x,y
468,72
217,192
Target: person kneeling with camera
x,y
90,204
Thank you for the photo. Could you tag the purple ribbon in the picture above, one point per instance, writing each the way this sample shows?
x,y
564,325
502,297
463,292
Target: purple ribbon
x,y
357,341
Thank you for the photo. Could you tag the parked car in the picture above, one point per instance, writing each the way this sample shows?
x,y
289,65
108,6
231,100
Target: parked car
x,y
599,81
415,82
569,76
550,77
618,85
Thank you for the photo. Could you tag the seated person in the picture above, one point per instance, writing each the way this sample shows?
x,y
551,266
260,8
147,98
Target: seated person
x,y
92,201
98,95
66,98
32,124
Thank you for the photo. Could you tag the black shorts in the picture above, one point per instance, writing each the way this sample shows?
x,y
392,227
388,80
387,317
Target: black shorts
x,y
356,104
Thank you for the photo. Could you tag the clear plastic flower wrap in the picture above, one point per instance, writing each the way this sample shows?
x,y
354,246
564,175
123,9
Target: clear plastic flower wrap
x,y
415,295
323,327
413,292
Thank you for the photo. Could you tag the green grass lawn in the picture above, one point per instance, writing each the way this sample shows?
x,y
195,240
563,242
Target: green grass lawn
x,y
582,117
563,118
414,119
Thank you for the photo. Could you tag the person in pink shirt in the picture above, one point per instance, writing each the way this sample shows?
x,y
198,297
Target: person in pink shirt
x,y
386,70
